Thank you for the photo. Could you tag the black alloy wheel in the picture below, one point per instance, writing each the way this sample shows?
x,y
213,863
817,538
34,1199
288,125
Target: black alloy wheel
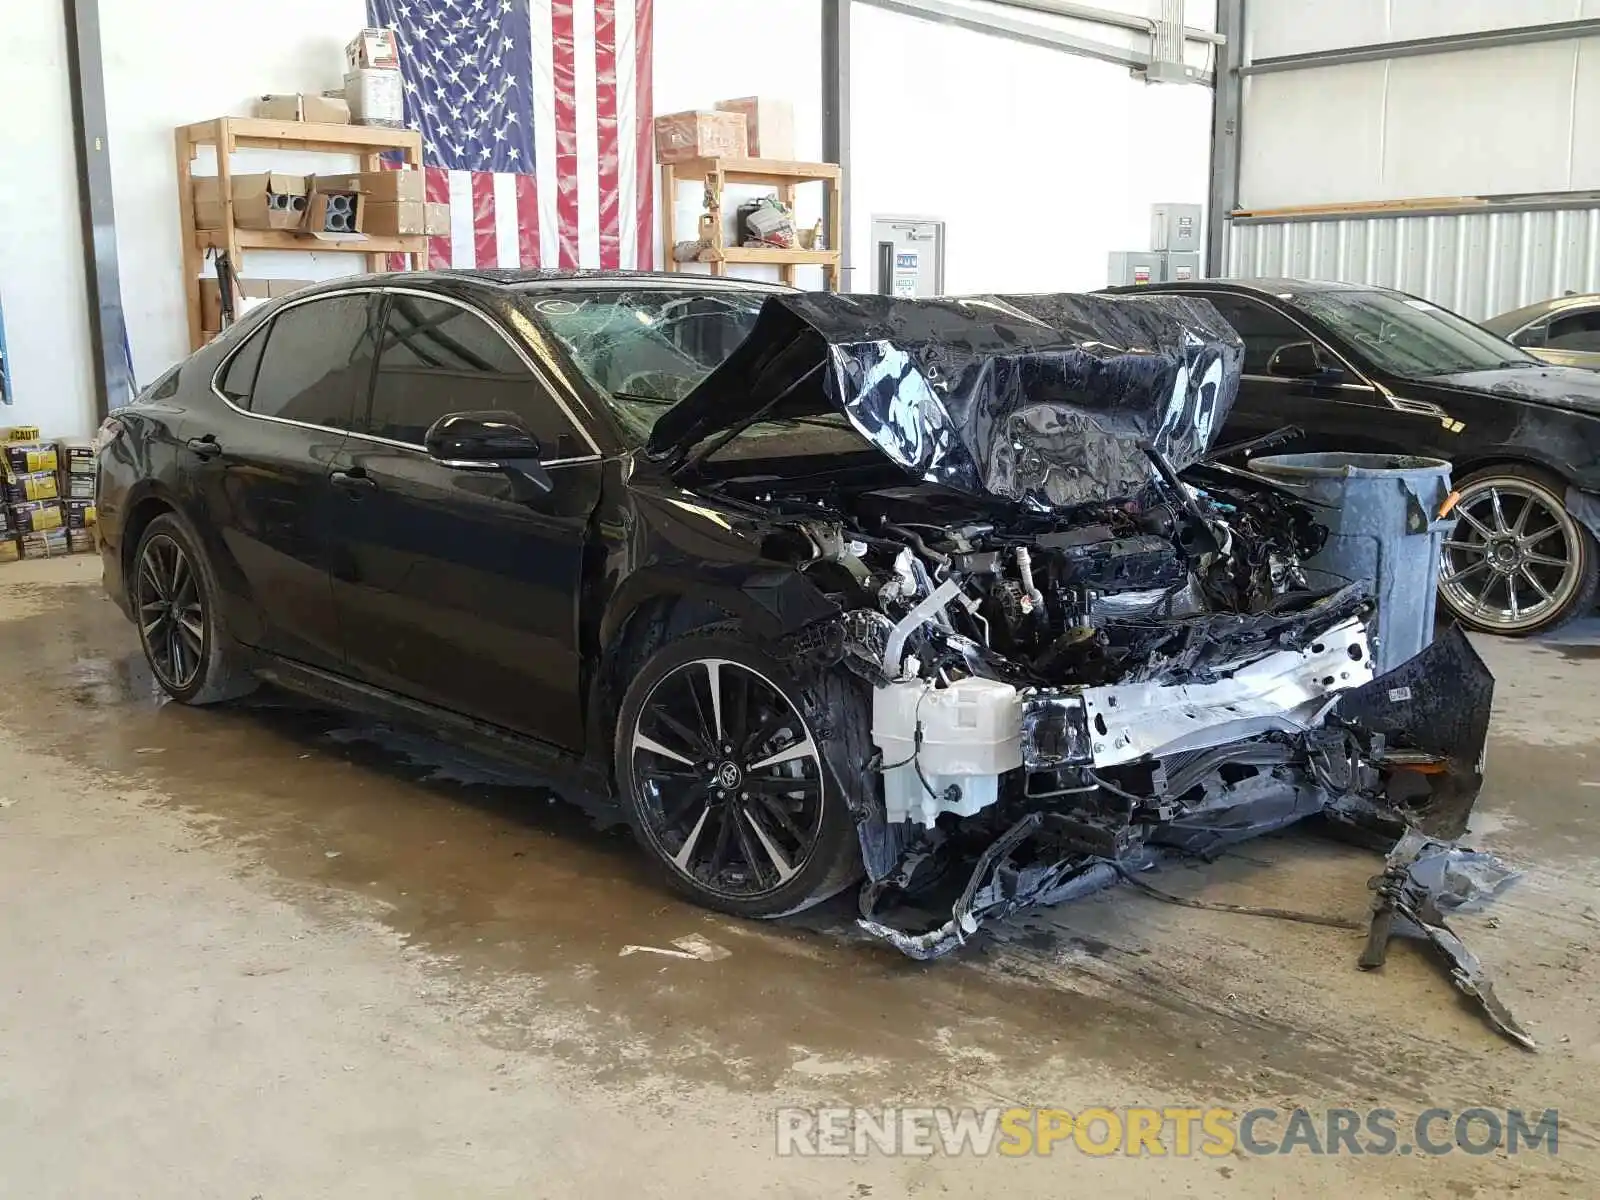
x,y
731,778
171,613
724,781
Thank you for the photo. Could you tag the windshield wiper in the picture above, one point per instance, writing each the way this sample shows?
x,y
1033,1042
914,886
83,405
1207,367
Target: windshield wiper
x,y
643,399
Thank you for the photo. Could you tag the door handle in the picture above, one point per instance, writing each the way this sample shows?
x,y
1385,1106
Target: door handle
x,y
353,479
205,447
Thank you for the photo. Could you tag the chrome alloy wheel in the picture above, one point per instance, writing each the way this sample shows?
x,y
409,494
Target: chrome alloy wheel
x,y
1513,559
729,778
172,620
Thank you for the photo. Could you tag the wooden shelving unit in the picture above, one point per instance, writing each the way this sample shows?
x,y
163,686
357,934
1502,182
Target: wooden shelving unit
x,y
230,134
714,174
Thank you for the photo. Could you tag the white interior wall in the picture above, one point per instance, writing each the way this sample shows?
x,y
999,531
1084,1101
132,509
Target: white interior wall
x,y
1480,122
1037,183
42,285
1039,162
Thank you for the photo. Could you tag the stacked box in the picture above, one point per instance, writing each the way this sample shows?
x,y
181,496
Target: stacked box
x,y
80,541
29,489
75,470
47,544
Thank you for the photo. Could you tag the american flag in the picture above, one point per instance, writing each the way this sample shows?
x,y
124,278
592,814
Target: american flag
x,y
536,127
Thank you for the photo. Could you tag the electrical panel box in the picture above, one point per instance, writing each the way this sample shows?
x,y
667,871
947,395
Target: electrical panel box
x,y
1179,266
1151,266
1175,227
909,258
1135,267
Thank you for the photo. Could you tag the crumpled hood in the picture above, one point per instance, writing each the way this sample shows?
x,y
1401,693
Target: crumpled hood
x,y
1560,387
1048,400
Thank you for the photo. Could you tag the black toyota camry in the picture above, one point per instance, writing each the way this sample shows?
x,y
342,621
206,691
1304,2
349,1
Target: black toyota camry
x,y
815,586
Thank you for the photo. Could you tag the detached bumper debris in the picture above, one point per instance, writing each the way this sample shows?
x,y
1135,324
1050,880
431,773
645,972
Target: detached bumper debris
x,y
1423,879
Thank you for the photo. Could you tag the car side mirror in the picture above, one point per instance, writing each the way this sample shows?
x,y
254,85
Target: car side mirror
x,y
490,441
1301,360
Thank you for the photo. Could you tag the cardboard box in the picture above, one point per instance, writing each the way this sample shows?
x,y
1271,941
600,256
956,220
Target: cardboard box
x,y
285,287
373,48
208,214
768,124
409,218
77,487
270,201
379,187
335,213
80,541
45,544
306,106
436,220
22,458
35,485
686,135
10,549
211,299
37,516
376,97
80,513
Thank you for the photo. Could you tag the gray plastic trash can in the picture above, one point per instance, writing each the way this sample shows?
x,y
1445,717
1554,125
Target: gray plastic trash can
x,y
1382,514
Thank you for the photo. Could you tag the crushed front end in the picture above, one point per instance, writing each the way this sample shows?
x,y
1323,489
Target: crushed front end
x,y
1086,646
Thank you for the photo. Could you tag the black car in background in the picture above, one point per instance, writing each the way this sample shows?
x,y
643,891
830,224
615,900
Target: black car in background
x,y
1369,369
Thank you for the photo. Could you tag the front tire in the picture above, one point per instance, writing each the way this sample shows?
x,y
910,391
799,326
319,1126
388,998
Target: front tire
x,y
175,605
1517,563
723,780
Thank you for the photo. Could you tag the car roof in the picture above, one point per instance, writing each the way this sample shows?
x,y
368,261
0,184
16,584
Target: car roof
x,y
1511,322
536,279
1265,285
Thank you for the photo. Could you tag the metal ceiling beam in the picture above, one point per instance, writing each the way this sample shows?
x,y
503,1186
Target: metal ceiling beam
x,y
108,335
1227,111
836,120
1489,39
998,25
1104,16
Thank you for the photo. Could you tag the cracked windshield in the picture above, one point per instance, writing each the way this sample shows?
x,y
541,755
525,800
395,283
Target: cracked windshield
x,y
646,350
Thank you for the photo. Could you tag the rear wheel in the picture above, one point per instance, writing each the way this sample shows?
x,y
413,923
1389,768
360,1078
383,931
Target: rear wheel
x,y
723,780
1516,562
175,605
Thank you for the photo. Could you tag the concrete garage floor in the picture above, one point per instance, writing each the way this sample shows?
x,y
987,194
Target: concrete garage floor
x,y
265,951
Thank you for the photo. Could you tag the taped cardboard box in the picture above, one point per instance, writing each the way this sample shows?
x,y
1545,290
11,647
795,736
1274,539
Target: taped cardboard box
x,y
768,125
688,135
436,223
373,47
409,218
38,516
376,97
34,485
379,187
24,458
270,201
305,106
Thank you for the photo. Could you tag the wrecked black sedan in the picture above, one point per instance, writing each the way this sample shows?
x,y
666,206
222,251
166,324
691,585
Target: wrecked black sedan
x,y
824,589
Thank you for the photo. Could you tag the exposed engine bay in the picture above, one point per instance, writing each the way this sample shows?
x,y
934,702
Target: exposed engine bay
x,y
1086,645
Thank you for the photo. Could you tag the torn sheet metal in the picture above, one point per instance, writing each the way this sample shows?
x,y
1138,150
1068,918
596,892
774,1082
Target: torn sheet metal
x,y
1049,400
1426,878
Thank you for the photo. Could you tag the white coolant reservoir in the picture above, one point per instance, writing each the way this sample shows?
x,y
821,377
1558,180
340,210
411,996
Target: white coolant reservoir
x,y
971,734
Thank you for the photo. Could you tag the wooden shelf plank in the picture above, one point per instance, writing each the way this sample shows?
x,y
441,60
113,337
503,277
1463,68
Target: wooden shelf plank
x,y
289,239
756,170
773,255
305,135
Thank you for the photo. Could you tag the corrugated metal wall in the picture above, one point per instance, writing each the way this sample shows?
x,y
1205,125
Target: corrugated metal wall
x,y
1478,264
